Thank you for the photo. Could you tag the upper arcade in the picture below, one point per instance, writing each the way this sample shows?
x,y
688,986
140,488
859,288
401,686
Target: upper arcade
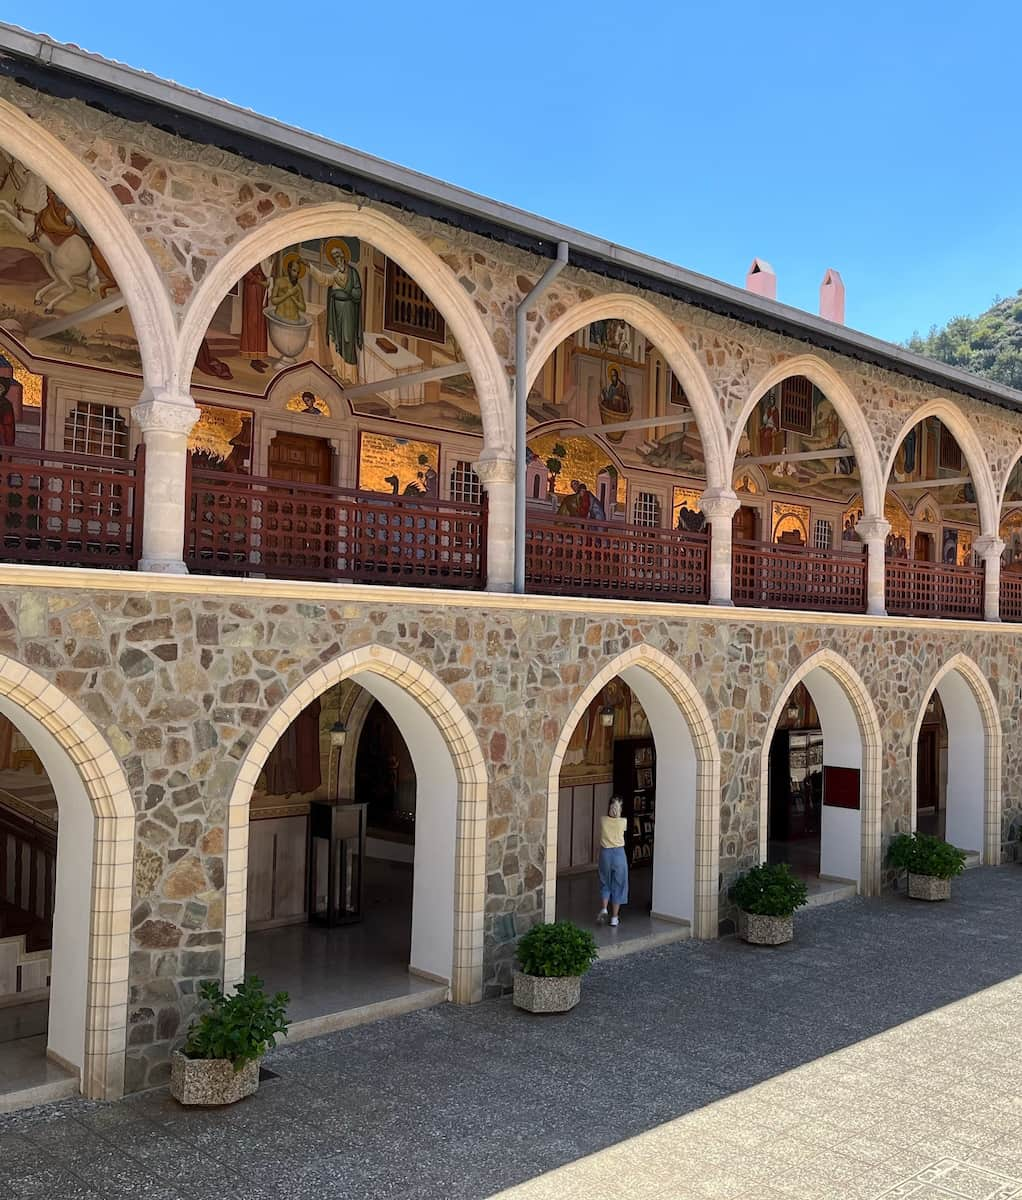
x,y
255,353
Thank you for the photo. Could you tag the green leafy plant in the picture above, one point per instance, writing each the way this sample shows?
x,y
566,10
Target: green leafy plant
x,y
921,854
556,949
769,890
240,1027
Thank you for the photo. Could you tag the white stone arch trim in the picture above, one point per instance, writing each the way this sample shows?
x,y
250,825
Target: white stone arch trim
x,y
692,708
470,770
675,348
1002,494
847,407
396,242
113,852
989,712
137,277
952,416
872,757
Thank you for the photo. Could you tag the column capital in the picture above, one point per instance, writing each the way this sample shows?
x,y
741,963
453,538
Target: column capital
x,y
494,469
988,546
165,412
719,504
873,529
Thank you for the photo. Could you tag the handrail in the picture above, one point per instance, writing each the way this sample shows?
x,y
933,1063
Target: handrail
x,y
926,589
774,575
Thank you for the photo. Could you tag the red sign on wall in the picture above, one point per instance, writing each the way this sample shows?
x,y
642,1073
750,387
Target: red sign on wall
x,y
841,787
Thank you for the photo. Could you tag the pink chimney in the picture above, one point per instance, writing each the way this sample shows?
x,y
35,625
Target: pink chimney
x,y
832,297
761,279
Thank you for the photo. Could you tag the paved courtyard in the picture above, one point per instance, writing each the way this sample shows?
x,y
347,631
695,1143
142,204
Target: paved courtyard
x,y
880,1055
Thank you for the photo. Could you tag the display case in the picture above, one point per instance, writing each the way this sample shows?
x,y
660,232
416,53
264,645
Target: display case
x,y
635,783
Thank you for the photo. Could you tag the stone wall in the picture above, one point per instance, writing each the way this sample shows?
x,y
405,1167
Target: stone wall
x,y
179,682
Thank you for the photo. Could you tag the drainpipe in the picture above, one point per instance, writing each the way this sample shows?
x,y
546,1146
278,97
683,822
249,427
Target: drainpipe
x,y
521,402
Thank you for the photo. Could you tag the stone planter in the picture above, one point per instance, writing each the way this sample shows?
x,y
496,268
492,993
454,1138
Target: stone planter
x,y
538,994
210,1080
928,887
765,931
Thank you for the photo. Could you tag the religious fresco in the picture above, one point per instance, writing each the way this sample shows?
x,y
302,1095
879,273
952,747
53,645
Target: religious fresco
x,y
341,305
308,404
557,464
398,466
58,296
590,752
789,523
685,511
221,440
1011,535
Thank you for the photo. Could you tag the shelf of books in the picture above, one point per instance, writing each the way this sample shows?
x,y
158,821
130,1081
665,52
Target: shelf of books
x,y
635,783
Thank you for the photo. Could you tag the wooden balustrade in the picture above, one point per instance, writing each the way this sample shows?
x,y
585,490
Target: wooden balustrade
x,y
767,575
71,510
28,872
1011,595
923,589
575,557
247,525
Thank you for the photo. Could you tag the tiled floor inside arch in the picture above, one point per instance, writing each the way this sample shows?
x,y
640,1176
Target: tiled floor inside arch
x,y
876,1057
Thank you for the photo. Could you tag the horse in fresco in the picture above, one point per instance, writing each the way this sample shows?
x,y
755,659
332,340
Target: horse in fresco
x,y
68,254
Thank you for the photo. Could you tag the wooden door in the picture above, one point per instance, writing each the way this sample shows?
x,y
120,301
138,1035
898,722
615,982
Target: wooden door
x,y
296,458
923,548
744,524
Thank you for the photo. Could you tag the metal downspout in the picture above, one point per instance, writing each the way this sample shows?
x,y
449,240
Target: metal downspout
x,y
521,402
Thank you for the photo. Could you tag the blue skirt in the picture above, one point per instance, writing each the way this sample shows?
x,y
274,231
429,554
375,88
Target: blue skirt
x,y
614,874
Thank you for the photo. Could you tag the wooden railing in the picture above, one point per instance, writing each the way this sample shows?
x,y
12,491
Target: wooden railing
x,y
70,510
574,557
1011,595
247,525
28,871
922,589
766,575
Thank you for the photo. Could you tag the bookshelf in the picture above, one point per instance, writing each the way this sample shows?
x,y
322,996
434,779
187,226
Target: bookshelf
x,y
635,783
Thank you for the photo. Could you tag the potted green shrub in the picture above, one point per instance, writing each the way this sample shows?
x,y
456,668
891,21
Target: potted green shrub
x,y
930,863
219,1062
553,958
767,897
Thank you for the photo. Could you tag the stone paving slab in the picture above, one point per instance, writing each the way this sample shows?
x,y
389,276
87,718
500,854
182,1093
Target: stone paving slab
x,y
876,1056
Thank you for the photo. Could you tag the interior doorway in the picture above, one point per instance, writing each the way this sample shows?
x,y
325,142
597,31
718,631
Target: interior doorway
x,y
298,458
931,770
795,796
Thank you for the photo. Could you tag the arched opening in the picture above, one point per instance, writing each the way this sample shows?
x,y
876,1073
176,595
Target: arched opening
x,y
405,813
820,782
938,498
795,542
1011,534
639,733
616,465
339,423
957,763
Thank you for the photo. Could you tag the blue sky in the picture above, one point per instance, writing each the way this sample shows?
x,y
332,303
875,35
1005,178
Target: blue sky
x,y
880,139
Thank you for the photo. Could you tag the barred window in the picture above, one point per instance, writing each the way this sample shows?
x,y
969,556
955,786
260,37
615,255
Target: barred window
x,y
646,510
407,308
797,404
96,429
465,485
950,453
823,535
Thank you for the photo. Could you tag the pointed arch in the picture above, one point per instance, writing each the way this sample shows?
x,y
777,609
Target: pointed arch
x,y
430,717
855,692
396,242
847,407
988,761
668,339
639,663
152,316
93,915
979,468
1002,494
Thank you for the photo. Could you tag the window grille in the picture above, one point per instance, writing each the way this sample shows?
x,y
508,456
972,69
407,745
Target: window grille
x,y
96,429
950,454
408,309
797,404
465,485
823,535
646,510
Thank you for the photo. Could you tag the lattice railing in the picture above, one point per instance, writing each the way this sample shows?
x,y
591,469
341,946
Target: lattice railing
x,y
922,589
1011,595
575,557
245,525
766,575
70,510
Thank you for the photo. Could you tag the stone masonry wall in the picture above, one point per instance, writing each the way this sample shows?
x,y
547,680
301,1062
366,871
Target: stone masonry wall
x,y
179,684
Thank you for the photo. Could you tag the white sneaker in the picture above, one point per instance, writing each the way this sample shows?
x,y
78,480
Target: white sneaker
x,y
613,921
601,916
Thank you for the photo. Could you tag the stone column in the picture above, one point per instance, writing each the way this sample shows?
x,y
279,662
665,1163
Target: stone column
x,y
497,475
165,420
874,531
719,507
989,547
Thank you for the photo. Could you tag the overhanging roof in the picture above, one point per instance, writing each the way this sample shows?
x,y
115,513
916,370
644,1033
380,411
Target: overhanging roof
x,y
67,71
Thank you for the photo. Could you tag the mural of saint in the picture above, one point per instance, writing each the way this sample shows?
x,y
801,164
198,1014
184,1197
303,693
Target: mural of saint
x,y
615,402
288,299
343,303
254,286
580,502
8,417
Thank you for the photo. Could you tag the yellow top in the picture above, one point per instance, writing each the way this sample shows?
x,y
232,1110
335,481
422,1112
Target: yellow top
x,y
612,832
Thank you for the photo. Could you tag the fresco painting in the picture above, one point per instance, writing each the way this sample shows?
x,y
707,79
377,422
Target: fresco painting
x,y
398,466
308,404
685,511
590,752
221,440
790,523
576,459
